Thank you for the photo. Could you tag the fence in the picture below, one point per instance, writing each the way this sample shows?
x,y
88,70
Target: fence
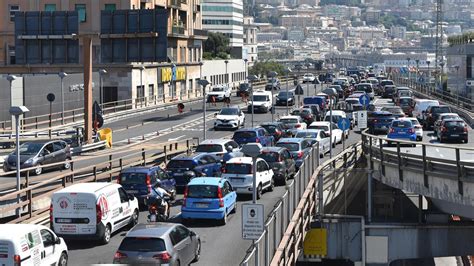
x,y
283,236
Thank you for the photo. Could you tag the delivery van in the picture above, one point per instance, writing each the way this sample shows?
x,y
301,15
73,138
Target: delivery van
x,y
92,211
30,244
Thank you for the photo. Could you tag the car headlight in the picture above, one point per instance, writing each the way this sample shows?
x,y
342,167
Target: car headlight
x,y
29,161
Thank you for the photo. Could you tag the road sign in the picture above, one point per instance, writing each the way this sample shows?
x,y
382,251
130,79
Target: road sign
x,y
362,119
364,100
315,242
252,221
299,90
50,97
344,124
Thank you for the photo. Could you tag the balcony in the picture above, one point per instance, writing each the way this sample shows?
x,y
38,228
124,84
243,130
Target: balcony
x,y
199,34
175,3
177,30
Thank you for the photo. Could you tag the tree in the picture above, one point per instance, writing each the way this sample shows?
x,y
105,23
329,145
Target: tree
x,y
262,68
216,46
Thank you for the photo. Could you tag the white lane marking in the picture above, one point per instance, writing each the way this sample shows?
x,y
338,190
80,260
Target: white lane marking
x,y
439,153
177,138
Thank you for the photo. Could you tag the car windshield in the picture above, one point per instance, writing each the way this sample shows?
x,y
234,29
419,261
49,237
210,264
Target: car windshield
x,y
30,148
270,128
289,145
401,124
244,86
303,135
142,244
449,117
174,164
202,191
405,101
439,110
289,120
132,178
217,89
295,112
229,111
245,134
366,88
270,157
284,94
209,148
238,168
260,98
321,127
305,112
454,124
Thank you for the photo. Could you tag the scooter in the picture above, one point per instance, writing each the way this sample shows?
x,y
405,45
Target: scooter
x,y
156,210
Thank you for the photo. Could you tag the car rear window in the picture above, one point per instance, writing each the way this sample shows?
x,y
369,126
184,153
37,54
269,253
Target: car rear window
x,y
238,168
325,128
270,157
202,191
245,134
209,148
270,128
405,101
289,120
389,89
132,178
142,244
180,164
306,135
401,124
454,124
439,110
377,115
388,82
450,117
289,145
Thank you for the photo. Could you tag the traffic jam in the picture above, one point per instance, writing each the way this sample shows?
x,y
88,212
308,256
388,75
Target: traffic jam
x,y
207,183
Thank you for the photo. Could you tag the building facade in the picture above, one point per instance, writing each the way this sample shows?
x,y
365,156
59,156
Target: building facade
x,y
250,50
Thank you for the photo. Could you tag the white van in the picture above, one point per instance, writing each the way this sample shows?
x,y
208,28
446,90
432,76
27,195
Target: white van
x,y
421,105
261,102
30,244
92,211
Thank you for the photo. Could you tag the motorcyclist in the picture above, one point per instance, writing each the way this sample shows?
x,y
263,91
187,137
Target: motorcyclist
x,y
229,154
159,192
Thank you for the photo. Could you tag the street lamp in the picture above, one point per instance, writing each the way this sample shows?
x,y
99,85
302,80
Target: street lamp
x,y
251,79
226,74
62,75
200,71
102,72
10,79
441,76
204,83
246,66
17,111
332,93
287,71
416,73
408,66
272,74
429,76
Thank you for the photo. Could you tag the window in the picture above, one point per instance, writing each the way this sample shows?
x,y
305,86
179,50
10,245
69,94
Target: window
x,y
110,7
57,146
123,195
178,234
47,237
13,10
151,90
49,7
81,10
225,189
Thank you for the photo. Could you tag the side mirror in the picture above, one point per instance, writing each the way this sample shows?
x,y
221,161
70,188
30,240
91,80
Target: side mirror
x,y
131,197
57,241
215,114
192,234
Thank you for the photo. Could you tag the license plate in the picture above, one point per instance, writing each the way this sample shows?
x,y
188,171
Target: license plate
x,y
132,191
63,221
455,135
178,174
201,205
237,180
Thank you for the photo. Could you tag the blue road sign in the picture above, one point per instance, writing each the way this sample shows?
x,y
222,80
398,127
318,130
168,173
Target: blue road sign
x,y
344,124
173,73
364,100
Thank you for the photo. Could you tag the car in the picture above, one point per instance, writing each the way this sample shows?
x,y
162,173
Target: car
x,y
402,129
406,103
159,243
185,167
281,162
272,84
320,101
453,129
367,88
306,114
293,122
432,113
298,147
420,106
388,91
40,154
317,136
342,81
139,181
208,198
219,93
442,117
92,211
216,147
285,98
401,92
276,129
31,244
253,135
418,128
261,101
337,133
239,173
308,77
396,111
381,85
244,89
336,116
379,121
339,90
229,117
315,110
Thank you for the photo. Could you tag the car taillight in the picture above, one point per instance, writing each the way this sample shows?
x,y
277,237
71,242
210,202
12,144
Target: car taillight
x,y
51,213
444,129
278,133
16,260
119,255
300,154
185,195
392,130
375,120
465,129
98,212
148,183
223,169
298,125
164,257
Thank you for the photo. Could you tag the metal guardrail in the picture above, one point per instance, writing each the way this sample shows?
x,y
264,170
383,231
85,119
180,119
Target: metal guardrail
x,y
287,222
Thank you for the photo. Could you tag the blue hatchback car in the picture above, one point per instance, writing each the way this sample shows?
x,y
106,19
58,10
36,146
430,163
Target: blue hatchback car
x,y
253,135
402,129
138,181
208,198
185,167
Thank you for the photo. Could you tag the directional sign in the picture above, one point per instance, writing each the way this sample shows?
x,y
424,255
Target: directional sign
x,y
344,124
364,100
252,221
362,119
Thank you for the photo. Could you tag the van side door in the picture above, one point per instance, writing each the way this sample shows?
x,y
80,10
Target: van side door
x,y
125,210
50,252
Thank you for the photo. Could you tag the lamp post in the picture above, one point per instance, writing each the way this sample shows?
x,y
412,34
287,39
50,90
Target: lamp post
x,y
204,83
441,76
251,79
307,83
17,111
416,73
62,75
429,77
272,74
408,66
200,71
457,83
246,66
10,79
331,92
287,72
102,72
226,74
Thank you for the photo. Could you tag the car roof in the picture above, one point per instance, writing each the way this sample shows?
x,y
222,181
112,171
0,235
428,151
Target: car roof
x,y
380,113
454,119
186,156
214,181
406,97
139,169
248,129
294,140
215,141
231,107
244,160
272,149
270,123
320,123
87,187
290,117
151,230
310,130
11,231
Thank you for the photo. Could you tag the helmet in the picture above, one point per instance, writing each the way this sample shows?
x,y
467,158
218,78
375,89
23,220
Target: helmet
x,y
229,148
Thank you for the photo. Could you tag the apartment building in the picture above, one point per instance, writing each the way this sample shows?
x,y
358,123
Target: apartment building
x,y
250,50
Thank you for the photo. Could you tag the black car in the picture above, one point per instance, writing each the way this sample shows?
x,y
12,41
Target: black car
x,y
379,121
432,114
276,129
306,114
318,114
243,90
388,91
284,98
281,162
453,130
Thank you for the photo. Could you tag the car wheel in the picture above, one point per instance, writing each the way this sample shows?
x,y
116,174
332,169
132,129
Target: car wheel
x,y
63,259
134,219
259,191
198,252
272,185
67,164
106,236
234,210
38,170
224,219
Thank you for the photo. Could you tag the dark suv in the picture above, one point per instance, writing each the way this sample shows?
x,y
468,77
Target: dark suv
x,y
185,167
432,113
243,90
453,129
379,121
139,181
281,162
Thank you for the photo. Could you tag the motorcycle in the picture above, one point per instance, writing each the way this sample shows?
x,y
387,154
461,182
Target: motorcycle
x,y
156,209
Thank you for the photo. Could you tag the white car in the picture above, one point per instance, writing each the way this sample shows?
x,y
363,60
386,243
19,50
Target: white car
x,y
217,147
308,77
336,116
239,173
418,128
261,101
219,92
324,125
293,121
229,117
420,107
318,135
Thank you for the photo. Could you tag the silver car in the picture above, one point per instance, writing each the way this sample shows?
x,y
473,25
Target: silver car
x,y
159,244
